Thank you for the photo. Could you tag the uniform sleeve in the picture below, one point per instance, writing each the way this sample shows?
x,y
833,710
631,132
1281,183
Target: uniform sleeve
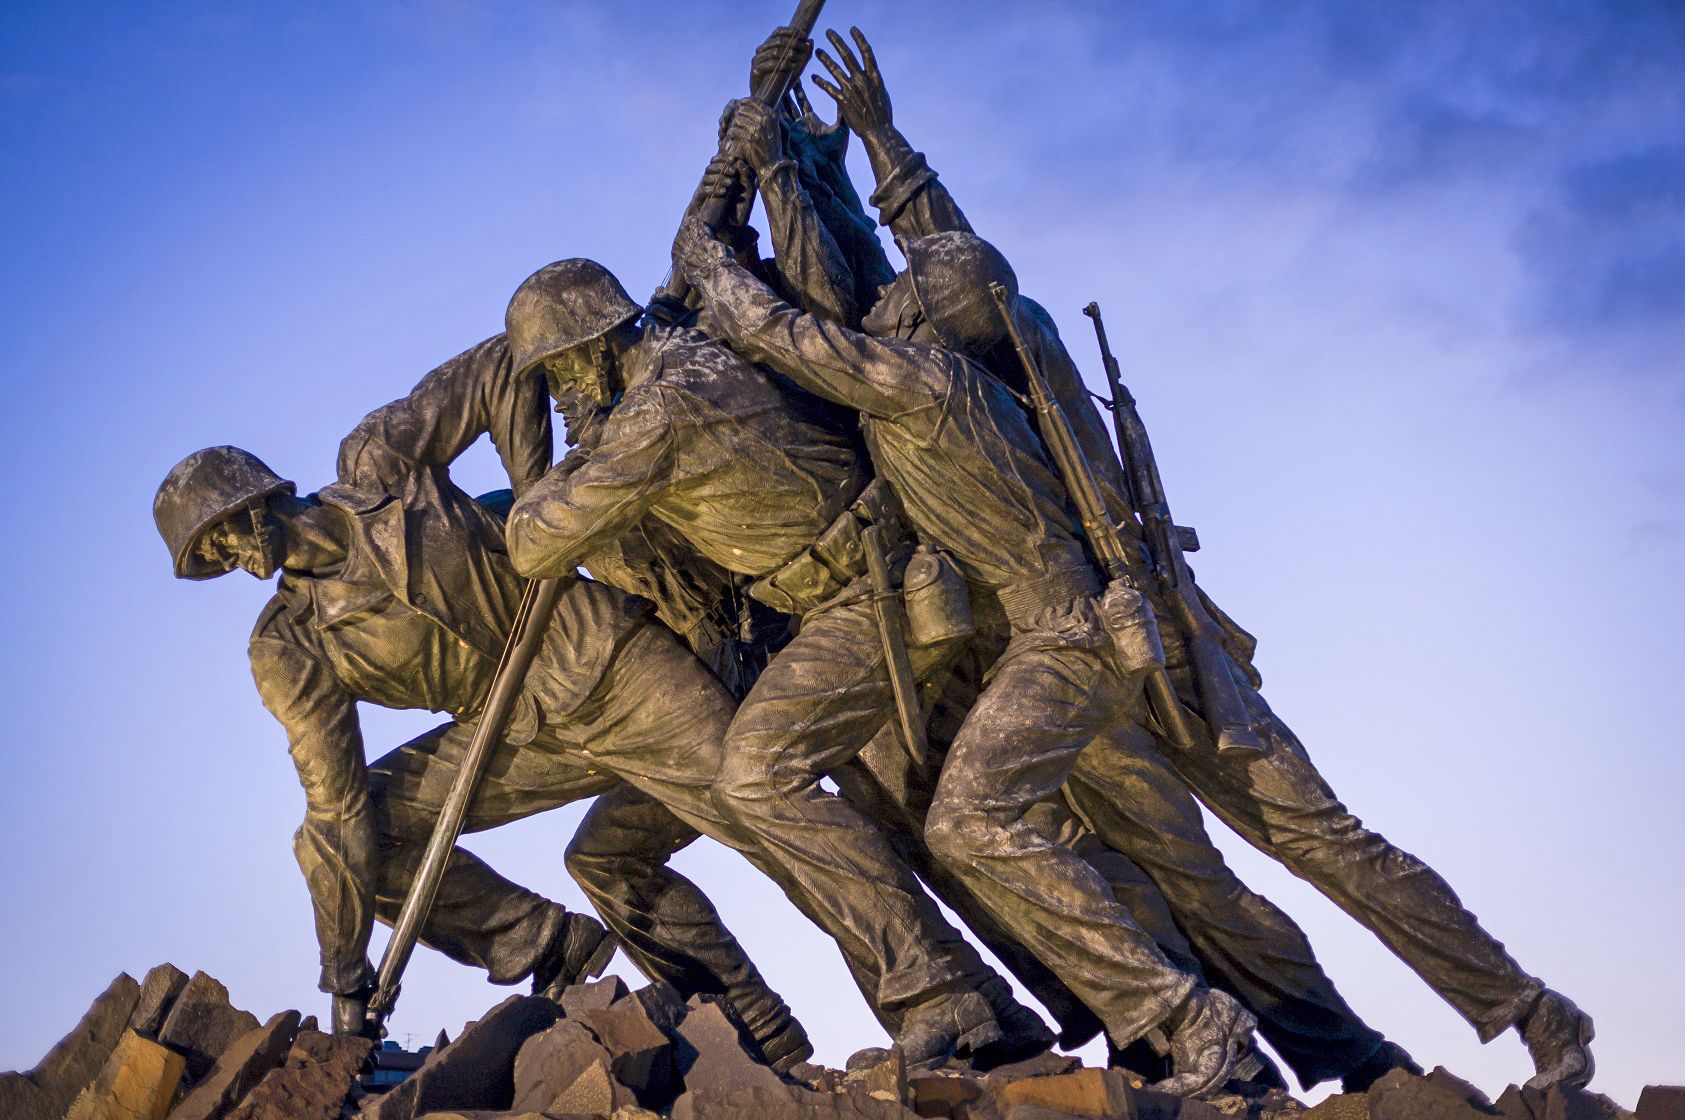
x,y
593,498
805,254
474,394
910,199
879,377
336,845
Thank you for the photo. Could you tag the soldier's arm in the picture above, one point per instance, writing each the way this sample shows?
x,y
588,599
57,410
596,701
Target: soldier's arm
x,y
880,378
593,498
806,263
475,393
820,154
336,847
910,199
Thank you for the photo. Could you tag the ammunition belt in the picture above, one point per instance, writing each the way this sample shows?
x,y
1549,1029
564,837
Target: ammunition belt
x,y
1054,589
837,557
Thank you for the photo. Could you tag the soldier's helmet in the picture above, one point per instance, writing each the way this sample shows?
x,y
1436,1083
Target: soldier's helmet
x,y
951,273
200,491
562,305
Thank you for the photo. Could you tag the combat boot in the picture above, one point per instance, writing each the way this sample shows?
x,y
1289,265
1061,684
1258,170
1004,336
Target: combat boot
x,y
787,1047
947,1027
1558,1037
1024,1034
1381,1061
579,951
351,1014
1209,1033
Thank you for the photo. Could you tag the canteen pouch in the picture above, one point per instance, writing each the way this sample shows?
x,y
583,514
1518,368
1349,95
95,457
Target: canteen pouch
x,y
938,607
1128,618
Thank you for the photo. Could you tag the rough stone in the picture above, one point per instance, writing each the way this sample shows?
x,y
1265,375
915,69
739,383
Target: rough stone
x,y
633,1112
1045,1064
79,1056
1517,1103
660,1003
785,1102
158,993
594,1092
1341,1106
1662,1102
1450,1082
483,1114
597,995
476,1071
1403,1096
312,1084
887,1081
1562,1103
552,1060
1085,1092
640,1055
710,1055
1036,1112
935,1096
21,1097
138,1082
1557,1103
202,1024
246,1061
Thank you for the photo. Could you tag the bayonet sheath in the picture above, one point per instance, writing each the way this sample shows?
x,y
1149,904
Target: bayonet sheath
x,y
891,618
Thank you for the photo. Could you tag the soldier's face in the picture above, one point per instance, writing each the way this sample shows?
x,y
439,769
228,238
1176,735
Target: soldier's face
x,y
250,540
582,373
896,314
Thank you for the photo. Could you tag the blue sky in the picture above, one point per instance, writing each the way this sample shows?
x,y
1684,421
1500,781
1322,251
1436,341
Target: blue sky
x,y
1401,290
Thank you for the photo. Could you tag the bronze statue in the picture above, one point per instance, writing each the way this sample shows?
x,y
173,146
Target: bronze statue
x,y
840,522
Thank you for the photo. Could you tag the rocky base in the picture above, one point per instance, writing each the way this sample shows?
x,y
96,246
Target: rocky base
x,y
173,1048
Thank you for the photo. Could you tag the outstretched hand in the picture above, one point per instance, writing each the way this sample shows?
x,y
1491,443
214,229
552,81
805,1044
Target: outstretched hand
x,y
827,143
859,92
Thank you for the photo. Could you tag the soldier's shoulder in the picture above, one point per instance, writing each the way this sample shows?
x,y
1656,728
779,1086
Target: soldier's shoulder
x,y
277,627
692,360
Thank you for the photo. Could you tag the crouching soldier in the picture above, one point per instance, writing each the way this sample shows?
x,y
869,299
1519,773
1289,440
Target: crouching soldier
x,y
402,596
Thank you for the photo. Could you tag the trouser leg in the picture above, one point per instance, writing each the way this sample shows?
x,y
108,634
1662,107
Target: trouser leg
x,y
882,783
1281,805
818,703
1049,697
1136,804
337,850
664,922
659,720
479,918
